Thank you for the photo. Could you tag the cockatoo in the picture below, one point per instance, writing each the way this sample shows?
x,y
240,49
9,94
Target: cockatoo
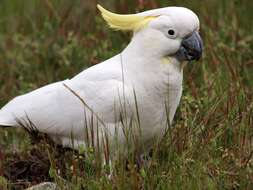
x,y
141,86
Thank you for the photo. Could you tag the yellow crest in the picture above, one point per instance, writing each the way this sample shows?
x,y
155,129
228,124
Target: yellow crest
x,y
131,22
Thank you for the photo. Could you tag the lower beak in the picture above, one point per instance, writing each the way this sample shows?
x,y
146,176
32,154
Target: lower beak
x,y
191,48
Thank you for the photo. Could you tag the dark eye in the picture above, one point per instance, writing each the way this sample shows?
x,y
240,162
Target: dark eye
x,y
171,32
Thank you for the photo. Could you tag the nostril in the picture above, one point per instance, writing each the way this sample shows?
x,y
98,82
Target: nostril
x,y
191,54
185,46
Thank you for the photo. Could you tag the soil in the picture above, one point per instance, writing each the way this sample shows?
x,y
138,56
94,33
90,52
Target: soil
x,y
32,167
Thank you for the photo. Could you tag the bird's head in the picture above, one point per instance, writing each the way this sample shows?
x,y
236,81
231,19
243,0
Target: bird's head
x,y
170,31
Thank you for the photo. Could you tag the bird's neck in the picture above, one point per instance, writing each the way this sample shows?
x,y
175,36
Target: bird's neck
x,y
157,76
143,56
143,52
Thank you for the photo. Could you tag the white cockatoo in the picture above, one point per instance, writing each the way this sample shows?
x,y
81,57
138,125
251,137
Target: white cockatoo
x,y
142,84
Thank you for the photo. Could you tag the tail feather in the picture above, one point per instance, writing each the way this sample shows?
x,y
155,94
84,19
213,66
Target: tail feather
x,y
6,124
6,121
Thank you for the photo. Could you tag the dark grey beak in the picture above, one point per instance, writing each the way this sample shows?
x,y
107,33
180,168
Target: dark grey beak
x,y
191,48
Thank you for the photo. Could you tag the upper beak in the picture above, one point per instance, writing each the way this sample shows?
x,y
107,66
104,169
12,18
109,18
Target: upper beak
x,y
191,48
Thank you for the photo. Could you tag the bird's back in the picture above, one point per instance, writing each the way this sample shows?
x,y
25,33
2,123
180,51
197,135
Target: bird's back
x,y
59,108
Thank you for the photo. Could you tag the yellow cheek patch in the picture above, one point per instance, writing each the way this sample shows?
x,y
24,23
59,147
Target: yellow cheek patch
x,y
166,60
128,22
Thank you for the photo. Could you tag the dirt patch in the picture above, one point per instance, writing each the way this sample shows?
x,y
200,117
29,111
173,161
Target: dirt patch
x,y
32,167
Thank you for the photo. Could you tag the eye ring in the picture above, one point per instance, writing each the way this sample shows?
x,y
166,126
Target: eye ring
x,y
171,32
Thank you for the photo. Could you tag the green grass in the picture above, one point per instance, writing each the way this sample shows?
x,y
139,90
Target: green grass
x,y
210,145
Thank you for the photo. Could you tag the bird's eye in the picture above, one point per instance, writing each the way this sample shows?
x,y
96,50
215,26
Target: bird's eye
x,y
171,32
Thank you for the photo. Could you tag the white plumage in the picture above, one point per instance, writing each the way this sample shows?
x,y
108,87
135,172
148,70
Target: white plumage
x,y
147,75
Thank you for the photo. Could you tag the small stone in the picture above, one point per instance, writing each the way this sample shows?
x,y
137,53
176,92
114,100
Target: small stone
x,y
44,186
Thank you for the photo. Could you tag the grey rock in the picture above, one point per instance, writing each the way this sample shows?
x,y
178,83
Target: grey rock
x,y
44,186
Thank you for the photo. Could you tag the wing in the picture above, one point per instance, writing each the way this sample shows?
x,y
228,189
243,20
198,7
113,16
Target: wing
x,y
63,108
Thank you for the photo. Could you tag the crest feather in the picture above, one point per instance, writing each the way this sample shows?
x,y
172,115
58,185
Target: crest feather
x,y
132,22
